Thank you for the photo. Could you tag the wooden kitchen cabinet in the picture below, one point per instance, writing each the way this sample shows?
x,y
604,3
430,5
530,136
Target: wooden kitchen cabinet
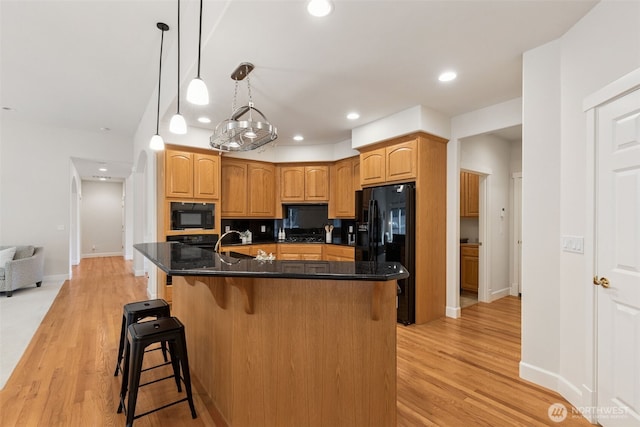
x,y
251,249
248,189
342,196
339,253
372,167
316,183
469,194
392,163
469,262
190,175
304,183
234,184
261,190
299,251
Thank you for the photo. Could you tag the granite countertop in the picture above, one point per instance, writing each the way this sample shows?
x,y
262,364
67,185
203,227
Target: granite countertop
x,y
336,241
177,259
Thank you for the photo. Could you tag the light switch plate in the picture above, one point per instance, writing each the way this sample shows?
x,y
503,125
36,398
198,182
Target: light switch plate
x,y
573,244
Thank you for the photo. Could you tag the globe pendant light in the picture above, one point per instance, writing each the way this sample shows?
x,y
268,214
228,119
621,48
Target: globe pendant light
x,y
197,92
177,124
157,143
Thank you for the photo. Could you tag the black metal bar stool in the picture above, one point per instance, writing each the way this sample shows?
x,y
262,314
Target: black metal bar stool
x,y
133,313
139,337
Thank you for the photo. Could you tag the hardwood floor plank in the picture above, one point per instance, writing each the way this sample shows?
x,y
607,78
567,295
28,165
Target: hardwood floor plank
x,y
451,372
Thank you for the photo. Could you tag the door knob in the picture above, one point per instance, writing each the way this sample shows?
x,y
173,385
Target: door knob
x,y
603,281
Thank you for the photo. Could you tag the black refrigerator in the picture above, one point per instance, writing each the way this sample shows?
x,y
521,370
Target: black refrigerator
x,y
386,232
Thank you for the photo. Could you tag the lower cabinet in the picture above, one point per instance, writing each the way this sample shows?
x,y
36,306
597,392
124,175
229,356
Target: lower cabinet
x,y
297,252
469,268
339,253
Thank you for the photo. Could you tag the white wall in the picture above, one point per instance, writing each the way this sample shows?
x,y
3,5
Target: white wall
x,y
490,156
101,218
36,184
557,304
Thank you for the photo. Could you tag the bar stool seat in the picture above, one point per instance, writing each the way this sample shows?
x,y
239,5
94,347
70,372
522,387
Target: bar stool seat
x,y
139,337
133,313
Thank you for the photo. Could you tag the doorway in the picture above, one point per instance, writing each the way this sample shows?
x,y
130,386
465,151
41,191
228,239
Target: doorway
x,y
617,259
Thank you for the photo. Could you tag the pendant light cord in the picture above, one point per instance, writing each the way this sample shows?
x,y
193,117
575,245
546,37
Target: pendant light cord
x,y
159,81
199,38
178,56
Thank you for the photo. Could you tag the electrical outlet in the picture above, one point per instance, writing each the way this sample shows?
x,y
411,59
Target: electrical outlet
x,y
263,228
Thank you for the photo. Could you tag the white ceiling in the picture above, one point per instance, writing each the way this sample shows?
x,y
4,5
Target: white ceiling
x,y
91,64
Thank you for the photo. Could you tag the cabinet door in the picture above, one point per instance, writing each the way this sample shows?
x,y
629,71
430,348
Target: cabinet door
x,y
473,194
401,161
206,176
292,183
342,199
469,268
372,167
316,183
261,189
234,184
469,194
357,186
178,174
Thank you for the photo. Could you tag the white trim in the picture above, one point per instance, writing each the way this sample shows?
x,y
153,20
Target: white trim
x,y
139,273
100,255
619,87
453,312
500,294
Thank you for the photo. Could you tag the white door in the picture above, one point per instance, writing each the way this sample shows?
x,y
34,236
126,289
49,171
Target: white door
x,y
618,261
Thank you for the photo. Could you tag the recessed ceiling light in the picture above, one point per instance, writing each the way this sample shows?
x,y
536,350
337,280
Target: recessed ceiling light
x,y
447,76
103,169
105,129
319,8
353,116
102,178
298,138
204,119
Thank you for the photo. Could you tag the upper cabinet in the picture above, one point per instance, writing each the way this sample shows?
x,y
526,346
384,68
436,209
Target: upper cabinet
x,y
344,175
190,175
261,190
304,183
248,189
469,194
392,163
234,185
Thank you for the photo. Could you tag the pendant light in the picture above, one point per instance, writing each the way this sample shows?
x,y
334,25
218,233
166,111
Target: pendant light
x,y
197,92
177,124
157,143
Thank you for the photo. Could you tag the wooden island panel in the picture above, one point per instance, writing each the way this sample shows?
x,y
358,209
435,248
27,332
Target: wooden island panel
x,y
309,355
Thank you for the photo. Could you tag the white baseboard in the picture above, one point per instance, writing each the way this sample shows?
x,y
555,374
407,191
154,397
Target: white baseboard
x,y
139,272
500,294
100,255
453,312
580,397
513,291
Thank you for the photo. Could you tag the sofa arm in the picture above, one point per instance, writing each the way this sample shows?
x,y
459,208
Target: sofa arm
x,y
25,271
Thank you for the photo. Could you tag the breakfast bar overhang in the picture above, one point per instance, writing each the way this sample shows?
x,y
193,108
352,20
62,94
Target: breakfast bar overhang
x,y
287,343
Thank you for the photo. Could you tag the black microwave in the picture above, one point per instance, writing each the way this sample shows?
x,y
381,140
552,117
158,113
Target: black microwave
x,y
186,219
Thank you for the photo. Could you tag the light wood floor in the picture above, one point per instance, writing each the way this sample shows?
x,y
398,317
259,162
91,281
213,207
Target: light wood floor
x,y
461,372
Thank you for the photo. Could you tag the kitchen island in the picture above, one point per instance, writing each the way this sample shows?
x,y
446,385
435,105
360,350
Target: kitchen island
x,y
287,343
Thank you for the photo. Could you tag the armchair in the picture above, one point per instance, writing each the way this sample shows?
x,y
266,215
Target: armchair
x,y
27,268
